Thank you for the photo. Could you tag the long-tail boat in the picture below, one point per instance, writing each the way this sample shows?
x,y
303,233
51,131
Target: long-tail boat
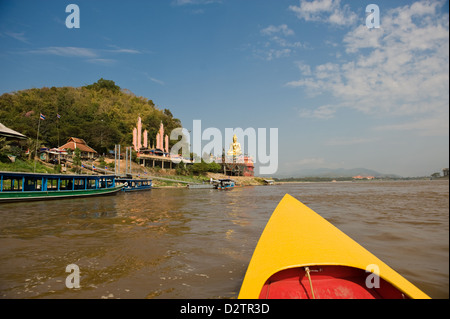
x,y
16,187
133,185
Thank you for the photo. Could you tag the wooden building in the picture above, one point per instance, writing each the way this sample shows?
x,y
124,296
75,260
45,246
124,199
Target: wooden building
x,y
73,143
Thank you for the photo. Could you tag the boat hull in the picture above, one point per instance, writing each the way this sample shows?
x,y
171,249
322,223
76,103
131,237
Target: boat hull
x,y
224,187
51,195
201,186
128,190
135,185
224,184
301,255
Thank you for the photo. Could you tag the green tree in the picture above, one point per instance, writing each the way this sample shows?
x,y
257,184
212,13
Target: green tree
x,y
182,169
202,168
213,167
104,84
77,160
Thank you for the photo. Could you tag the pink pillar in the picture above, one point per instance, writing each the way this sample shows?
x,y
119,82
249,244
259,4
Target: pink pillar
x,y
139,132
161,136
135,139
158,140
167,143
145,139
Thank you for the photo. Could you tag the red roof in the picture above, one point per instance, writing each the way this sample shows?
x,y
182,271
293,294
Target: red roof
x,y
79,143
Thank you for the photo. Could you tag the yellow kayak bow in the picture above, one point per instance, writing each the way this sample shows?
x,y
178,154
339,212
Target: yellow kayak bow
x,y
302,255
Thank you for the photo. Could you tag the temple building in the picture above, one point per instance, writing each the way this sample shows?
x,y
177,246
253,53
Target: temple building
x,y
73,143
236,164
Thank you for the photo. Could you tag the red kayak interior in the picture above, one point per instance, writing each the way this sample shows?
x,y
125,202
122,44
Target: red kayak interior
x,y
328,282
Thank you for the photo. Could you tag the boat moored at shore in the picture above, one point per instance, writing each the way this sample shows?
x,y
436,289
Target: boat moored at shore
x,y
16,187
132,185
224,184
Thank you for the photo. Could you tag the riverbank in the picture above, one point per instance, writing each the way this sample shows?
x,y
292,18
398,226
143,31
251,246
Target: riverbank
x,y
26,167
240,180
138,171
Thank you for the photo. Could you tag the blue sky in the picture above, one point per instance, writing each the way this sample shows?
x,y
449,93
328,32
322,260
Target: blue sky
x,y
341,95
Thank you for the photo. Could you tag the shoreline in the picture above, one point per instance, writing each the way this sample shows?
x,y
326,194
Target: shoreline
x,y
181,181
241,181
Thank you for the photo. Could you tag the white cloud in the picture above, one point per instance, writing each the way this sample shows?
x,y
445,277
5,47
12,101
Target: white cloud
x,y
339,141
18,36
359,38
321,112
121,50
401,69
304,68
310,161
277,53
154,79
271,30
102,61
95,56
194,2
67,51
278,44
196,7
329,11
434,126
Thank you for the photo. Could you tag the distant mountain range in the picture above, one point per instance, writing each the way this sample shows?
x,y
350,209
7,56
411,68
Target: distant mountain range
x,y
336,172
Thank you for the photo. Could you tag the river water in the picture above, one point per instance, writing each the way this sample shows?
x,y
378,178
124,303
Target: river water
x,y
186,243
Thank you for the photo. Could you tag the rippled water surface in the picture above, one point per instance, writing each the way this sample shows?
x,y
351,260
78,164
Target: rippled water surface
x,y
181,243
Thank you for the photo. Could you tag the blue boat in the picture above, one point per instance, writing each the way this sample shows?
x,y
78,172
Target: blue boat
x,y
16,187
131,185
224,184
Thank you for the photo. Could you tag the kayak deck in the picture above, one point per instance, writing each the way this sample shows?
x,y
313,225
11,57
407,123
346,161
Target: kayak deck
x,y
299,249
327,282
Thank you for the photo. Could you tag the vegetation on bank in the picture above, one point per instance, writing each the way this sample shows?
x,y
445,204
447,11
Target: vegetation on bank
x,y
20,165
103,114
199,169
186,179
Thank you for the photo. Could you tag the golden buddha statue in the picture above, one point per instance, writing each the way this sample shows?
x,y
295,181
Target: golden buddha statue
x,y
235,147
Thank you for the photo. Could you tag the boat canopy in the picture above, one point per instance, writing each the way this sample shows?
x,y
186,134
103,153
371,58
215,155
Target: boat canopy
x,y
25,182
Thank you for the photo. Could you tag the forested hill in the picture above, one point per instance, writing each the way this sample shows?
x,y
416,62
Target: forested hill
x,y
102,114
